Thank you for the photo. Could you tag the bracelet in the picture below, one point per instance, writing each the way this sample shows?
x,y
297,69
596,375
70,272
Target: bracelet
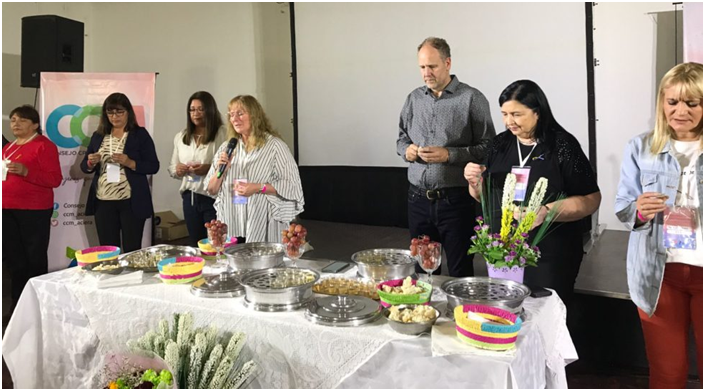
x,y
264,189
639,216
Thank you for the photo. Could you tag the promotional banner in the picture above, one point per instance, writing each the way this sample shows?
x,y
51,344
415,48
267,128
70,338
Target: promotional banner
x,y
70,109
693,32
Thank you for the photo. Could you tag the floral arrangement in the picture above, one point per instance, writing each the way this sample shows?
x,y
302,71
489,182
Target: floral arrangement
x,y
133,371
509,247
199,358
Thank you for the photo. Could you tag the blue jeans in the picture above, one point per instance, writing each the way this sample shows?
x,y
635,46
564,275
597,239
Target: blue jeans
x,y
448,220
197,214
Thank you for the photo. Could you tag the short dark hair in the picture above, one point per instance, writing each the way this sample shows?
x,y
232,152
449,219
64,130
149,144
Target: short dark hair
x,y
439,44
116,100
27,112
531,95
212,116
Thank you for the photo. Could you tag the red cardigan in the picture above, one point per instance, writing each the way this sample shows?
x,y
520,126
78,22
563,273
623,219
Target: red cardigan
x,y
36,190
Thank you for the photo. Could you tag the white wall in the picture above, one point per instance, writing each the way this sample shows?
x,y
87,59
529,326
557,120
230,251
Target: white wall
x,y
356,63
194,47
626,82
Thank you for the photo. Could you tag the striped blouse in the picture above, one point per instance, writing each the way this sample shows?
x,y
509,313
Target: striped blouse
x,y
116,191
263,217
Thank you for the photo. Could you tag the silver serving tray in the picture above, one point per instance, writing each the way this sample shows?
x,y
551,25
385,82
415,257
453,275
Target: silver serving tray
x,y
155,254
384,264
221,285
271,290
255,256
494,292
343,311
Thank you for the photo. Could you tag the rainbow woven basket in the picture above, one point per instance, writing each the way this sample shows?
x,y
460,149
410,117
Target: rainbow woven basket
x,y
180,270
96,254
390,299
490,336
207,249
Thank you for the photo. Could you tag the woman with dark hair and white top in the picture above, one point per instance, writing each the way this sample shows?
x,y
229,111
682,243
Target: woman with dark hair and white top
x,y
259,193
194,149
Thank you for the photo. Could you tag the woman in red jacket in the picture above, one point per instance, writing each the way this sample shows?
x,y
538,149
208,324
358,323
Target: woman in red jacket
x,y
30,172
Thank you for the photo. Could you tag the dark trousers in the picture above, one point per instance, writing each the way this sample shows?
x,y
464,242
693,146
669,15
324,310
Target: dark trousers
x,y
113,218
197,214
25,242
448,220
557,271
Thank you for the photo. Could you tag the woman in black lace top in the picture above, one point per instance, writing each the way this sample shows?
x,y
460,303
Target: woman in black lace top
x,y
536,144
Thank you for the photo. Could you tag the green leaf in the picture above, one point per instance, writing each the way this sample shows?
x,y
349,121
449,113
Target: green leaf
x,y
70,253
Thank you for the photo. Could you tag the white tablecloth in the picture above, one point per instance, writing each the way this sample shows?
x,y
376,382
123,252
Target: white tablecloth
x,y
64,324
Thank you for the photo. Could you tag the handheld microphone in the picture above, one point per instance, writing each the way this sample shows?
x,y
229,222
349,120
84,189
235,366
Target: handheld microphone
x,y
231,147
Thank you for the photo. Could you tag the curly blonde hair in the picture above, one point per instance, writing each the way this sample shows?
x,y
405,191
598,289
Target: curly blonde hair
x,y
688,78
259,123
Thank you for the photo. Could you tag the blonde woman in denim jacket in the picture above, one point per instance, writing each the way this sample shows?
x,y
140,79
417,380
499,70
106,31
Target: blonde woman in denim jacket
x,y
662,169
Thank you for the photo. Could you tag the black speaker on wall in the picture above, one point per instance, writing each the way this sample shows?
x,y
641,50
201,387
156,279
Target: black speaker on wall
x,y
50,43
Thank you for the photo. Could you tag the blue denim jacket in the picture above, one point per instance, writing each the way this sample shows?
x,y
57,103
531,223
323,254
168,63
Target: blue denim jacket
x,y
644,172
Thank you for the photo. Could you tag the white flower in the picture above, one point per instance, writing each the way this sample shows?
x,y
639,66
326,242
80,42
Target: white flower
x,y
538,195
509,188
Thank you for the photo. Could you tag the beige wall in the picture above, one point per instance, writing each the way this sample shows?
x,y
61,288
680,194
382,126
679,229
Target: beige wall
x,y
224,48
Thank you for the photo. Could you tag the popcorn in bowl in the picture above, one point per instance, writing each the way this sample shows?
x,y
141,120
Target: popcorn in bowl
x,y
406,288
419,314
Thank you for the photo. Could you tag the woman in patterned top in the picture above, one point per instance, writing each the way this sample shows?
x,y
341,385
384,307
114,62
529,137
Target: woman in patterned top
x,y
260,191
122,154
536,145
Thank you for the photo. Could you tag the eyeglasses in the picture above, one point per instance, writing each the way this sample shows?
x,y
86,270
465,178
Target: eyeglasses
x,y
233,114
115,113
196,110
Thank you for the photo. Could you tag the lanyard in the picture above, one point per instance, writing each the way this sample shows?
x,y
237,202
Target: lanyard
x,y
522,160
7,157
121,141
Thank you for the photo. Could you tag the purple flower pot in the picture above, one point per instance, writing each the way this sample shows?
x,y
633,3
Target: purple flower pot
x,y
515,273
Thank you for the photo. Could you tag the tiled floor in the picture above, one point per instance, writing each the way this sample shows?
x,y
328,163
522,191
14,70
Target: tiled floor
x,y
339,241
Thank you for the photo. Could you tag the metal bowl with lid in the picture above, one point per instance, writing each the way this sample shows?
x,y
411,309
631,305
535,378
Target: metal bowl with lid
x,y
343,311
278,289
255,256
223,285
147,259
494,292
384,264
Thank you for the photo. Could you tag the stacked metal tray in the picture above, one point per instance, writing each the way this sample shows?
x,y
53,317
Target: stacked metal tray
x,y
146,259
278,289
343,311
494,292
255,256
384,264
221,285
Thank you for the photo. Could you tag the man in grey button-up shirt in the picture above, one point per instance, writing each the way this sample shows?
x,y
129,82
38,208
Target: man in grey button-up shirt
x,y
442,127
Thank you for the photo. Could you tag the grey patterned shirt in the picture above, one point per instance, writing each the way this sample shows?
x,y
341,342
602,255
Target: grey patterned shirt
x,y
458,120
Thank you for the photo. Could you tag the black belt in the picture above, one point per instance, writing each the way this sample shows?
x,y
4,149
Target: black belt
x,y
438,194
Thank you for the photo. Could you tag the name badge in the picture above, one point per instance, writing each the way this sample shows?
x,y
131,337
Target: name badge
x,y
113,171
679,226
4,169
522,174
193,178
236,198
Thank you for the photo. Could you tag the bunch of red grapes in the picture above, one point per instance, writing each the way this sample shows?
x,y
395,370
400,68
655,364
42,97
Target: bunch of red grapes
x,y
294,238
427,250
217,232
